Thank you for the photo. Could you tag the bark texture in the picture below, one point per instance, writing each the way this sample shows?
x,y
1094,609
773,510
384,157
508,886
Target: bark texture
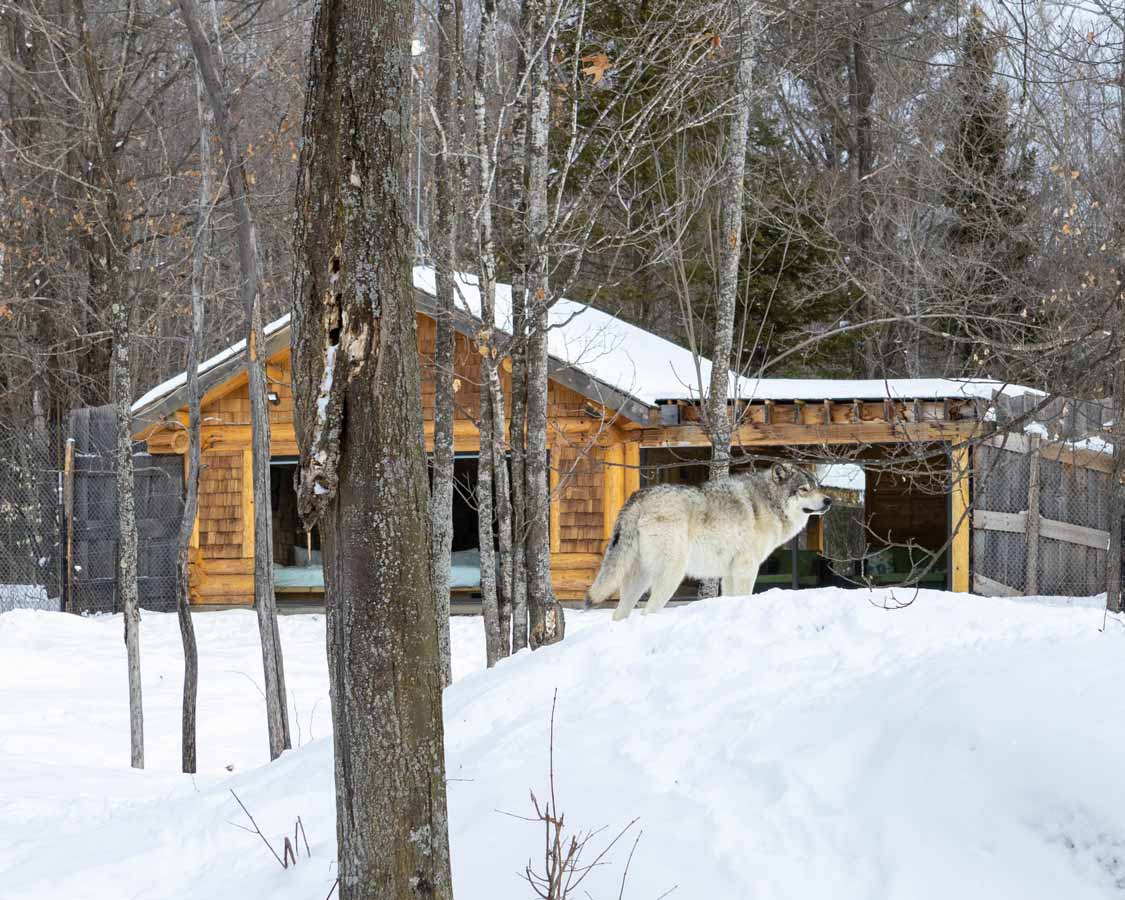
x,y
546,625
265,604
191,476
359,427
444,231
730,252
109,290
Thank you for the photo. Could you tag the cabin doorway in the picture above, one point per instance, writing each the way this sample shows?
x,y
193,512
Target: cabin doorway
x,y
298,572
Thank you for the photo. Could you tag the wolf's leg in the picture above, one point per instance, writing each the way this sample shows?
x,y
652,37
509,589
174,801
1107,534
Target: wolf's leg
x,y
742,580
631,591
666,583
728,589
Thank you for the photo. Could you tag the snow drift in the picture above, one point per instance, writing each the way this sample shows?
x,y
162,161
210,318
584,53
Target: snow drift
x,y
789,745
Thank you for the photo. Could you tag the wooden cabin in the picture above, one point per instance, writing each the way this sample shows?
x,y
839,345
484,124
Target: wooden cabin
x,y
623,411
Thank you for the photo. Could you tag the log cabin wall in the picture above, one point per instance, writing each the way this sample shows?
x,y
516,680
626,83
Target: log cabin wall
x,y
580,445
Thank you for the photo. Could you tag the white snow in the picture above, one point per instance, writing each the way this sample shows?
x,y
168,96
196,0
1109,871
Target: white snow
x,y
790,745
649,368
846,476
26,596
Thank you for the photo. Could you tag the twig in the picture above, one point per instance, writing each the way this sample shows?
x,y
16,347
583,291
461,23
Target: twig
x,y
257,830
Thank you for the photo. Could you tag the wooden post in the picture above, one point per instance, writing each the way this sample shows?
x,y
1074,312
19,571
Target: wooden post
x,y
633,472
613,486
68,524
959,519
1031,582
555,523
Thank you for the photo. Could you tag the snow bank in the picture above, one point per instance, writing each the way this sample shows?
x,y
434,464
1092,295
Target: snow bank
x,y
789,745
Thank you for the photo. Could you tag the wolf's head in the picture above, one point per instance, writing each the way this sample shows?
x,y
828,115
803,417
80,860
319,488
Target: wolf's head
x,y
798,491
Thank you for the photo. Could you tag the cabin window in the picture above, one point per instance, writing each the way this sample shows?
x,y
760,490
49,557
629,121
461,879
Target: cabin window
x,y
296,552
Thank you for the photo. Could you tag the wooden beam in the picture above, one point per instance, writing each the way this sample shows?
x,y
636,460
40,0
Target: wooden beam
x,y
989,587
1031,577
754,434
555,505
613,487
960,519
633,472
990,520
248,503
1056,452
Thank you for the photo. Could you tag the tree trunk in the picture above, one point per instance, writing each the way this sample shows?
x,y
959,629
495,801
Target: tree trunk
x,y
1117,493
730,254
191,493
109,290
127,526
861,165
492,469
547,624
265,604
446,172
359,427
490,604
517,426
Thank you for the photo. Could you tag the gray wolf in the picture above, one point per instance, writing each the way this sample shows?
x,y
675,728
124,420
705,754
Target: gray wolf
x,y
721,529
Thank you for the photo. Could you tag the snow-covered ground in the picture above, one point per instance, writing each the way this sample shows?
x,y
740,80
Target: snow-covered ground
x,y
790,745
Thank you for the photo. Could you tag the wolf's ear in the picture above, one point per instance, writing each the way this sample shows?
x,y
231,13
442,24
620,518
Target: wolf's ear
x,y
779,473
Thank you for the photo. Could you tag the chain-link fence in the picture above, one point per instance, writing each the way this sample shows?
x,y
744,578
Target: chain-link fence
x,y
31,546
1040,518
92,513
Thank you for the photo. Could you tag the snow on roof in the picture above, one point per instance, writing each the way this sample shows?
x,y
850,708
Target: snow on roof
x,y
178,381
645,366
845,476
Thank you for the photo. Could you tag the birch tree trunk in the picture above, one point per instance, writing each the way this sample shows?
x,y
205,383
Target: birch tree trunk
x,y
492,470
359,428
109,289
127,526
444,230
547,624
517,426
191,493
730,253
265,604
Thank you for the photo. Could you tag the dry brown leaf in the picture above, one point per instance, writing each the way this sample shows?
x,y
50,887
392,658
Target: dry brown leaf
x,y
597,65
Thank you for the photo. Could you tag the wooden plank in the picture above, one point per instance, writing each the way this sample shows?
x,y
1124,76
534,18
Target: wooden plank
x,y
1031,580
633,472
960,519
555,524
1016,523
613,487
247,503
990,520
1056,452
989,587
751,434
1074,534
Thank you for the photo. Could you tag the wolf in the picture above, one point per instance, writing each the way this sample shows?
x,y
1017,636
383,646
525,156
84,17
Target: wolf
x,y
721,529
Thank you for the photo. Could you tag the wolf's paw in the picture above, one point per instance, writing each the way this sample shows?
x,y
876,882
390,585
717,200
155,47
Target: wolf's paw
x,y
619,614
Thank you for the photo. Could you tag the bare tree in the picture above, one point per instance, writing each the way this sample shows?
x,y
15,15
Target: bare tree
x,y
109,277
444,231
194,446
359,427
265,602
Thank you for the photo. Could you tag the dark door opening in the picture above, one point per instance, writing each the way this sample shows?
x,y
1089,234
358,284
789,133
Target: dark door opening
x,y
297,566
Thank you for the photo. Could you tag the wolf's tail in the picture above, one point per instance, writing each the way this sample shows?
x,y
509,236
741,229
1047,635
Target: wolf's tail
x,y
612,571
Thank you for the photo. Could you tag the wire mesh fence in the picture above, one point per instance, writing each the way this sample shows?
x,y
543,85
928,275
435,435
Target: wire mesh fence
x,y
1041,519
31,547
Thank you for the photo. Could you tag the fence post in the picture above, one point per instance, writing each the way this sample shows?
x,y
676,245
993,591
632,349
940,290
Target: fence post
x,y
1031,582
68,527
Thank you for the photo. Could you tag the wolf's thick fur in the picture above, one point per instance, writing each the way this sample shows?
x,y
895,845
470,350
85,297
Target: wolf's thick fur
x,y
722,529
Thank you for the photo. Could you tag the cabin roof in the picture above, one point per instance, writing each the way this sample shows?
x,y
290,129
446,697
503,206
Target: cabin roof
x,y
606,359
